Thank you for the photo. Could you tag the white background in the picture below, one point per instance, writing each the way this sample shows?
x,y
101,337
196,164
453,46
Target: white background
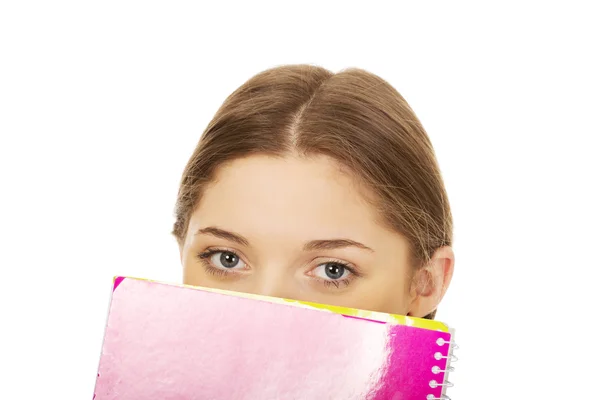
x,y
102,103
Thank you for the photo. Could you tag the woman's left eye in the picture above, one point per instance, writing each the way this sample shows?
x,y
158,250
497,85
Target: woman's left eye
x,y
332,271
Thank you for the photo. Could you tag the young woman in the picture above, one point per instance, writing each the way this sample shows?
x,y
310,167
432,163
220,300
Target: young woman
x,y
320,187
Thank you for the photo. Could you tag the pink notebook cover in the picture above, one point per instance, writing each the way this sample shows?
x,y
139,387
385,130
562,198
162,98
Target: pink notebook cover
x,y
175,342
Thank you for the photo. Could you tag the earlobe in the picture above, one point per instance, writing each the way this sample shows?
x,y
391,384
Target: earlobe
x,y
431,282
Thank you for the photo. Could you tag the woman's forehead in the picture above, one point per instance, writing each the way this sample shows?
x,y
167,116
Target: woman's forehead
x,y
279,194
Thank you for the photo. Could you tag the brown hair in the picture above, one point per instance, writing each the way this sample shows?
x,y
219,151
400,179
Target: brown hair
x,y
353,116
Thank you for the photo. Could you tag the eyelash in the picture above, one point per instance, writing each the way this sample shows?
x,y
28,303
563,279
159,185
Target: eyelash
x,y
205,256
346,281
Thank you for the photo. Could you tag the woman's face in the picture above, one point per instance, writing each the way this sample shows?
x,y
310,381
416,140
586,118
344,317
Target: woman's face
x,y
297,228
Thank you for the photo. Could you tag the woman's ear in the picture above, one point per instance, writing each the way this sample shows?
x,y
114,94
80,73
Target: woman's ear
x,y
431,282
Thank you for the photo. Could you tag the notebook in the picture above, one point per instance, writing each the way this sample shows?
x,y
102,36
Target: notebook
x,y
177,342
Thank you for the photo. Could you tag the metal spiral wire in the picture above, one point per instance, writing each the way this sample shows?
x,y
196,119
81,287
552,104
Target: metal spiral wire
x,y
437,370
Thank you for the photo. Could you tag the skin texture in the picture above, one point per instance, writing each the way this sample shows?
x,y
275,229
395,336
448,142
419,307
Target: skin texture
x,y
305,232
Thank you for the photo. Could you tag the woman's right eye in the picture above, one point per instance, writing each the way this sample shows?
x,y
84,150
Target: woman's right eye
x,y
225,260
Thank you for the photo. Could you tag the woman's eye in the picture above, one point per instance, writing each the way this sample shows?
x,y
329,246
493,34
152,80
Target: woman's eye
x,y
332,271
226,260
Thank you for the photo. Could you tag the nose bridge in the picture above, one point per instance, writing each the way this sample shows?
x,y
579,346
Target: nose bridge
x,y
274,279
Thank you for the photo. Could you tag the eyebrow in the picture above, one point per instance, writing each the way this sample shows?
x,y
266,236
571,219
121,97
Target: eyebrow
x,y
332,244
223,234
326,244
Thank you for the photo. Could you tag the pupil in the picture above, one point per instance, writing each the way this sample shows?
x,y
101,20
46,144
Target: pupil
x,y
334,271
229,260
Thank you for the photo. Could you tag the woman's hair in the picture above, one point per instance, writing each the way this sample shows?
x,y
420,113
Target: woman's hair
x,y
354,117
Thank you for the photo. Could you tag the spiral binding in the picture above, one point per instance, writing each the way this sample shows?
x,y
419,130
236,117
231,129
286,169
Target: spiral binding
x,y
450,358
